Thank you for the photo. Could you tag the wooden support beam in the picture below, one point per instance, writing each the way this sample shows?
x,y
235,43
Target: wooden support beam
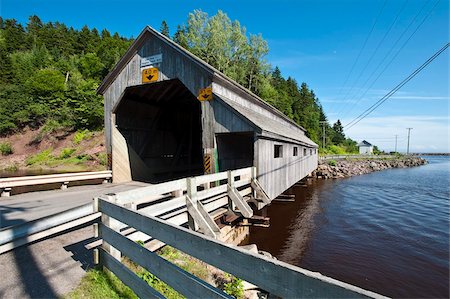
x,y
191,189
239,201
202,218
260,194
284,199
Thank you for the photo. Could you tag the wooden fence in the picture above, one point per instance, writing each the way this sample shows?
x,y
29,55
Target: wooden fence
x,y
273,276
196,200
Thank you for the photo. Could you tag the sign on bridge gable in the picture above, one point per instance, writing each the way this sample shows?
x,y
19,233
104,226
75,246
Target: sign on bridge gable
x,y
151,60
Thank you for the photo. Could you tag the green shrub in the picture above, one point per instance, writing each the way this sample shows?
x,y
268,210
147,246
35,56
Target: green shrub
x,y
332,163
40,158
81,135
66,153
159,285
234,288
103,159
6,148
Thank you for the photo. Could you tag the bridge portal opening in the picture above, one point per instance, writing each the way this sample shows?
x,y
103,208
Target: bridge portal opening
x,y
161,124
235,150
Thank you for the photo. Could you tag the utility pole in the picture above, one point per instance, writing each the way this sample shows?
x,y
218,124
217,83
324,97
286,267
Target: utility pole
x,y
322,122
409,134
396,143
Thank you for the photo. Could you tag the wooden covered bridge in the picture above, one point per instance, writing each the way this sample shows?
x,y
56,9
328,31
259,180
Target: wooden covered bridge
x,y
170,115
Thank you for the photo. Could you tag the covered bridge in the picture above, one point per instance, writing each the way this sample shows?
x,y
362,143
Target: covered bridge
x,y
168,115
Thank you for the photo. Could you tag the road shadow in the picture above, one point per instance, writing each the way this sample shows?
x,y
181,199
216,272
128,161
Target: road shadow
x,y
32,279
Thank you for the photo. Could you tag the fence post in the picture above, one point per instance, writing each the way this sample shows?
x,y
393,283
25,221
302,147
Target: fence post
x,y
253,176
230,181
192,193
114,225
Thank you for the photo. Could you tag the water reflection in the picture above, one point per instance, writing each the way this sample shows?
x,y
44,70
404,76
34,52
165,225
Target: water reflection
x,y
300,231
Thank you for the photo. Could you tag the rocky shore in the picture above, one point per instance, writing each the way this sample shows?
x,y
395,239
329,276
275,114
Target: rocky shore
x,y
346,168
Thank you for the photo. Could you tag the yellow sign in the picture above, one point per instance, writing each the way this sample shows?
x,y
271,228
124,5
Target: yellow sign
x,y
205,94
150,75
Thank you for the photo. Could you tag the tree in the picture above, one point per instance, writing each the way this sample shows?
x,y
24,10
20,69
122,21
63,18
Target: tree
x,y
164,29
338,136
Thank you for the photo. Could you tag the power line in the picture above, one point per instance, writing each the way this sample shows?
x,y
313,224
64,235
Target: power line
x,y
395,89
362,48
388,54
376,50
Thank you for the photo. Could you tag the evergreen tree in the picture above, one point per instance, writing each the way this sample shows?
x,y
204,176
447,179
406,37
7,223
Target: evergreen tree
x,y
164,29
339,135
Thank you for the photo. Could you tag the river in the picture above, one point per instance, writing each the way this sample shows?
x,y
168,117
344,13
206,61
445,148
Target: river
x,y
386,231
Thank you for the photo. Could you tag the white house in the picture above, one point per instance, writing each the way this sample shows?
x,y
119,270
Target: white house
x,y
365,148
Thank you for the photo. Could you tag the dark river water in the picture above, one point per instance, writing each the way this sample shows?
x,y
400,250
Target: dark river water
x,y
386,231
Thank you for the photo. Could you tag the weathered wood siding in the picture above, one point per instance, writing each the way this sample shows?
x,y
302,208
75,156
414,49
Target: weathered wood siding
x,y
174,65
278,174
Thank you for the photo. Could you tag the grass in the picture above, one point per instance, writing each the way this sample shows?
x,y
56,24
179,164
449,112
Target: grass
x,y
332,163
104,284
98,284
6,148
66,157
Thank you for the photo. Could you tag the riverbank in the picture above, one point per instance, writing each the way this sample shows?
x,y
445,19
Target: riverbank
x,y
347,168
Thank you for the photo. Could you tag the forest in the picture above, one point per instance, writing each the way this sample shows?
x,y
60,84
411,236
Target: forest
x,y
49,74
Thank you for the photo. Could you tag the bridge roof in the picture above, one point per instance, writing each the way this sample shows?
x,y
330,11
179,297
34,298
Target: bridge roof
x,y
269,126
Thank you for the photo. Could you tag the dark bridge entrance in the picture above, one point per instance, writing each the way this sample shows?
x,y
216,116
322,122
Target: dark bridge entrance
x,y
162,128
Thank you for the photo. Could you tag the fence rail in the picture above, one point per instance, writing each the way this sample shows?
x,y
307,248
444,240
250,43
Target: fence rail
x,y
6,184
274,276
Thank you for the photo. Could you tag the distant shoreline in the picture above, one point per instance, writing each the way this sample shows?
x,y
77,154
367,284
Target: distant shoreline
x,y
347,168
432,154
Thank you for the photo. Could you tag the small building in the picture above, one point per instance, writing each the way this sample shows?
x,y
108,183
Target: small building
x,y
365,148
169,114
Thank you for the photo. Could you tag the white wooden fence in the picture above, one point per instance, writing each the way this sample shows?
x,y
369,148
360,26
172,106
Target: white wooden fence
x,y
6,184
274,276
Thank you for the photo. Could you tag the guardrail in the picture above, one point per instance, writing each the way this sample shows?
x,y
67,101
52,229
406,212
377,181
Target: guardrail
x,y
276,277
21,234
175,201
342,157
6,184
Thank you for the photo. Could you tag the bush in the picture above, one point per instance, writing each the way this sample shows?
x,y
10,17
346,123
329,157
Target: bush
x,y
66,153
103,159
6,148
81,135
332,163
40,158
234,288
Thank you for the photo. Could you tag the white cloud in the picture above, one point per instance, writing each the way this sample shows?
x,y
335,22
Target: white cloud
x,y
429,134
421,98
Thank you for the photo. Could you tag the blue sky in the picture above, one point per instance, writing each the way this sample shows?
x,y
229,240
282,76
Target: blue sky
x,y
317,42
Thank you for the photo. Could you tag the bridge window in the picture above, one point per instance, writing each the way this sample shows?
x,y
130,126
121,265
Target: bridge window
x,y
278,151
304,151
310,151
295,153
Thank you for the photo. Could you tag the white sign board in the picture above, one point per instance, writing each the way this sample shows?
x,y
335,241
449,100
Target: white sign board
x,y
151,60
